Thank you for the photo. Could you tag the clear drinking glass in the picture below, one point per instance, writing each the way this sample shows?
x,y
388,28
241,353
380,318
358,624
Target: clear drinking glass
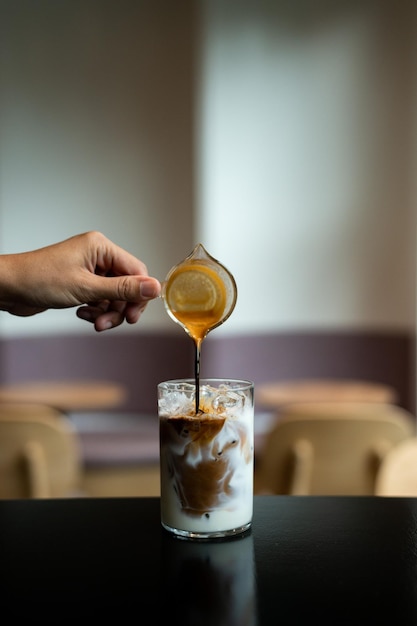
x,y
206,457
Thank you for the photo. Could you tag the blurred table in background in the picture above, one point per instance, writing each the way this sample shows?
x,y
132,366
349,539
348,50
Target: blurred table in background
x,y
68,396
276,394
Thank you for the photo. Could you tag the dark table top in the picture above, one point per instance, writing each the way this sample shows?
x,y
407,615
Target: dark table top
x,y
308,559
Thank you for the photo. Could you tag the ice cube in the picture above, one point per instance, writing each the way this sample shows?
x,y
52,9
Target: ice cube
x,y
176,403
227,401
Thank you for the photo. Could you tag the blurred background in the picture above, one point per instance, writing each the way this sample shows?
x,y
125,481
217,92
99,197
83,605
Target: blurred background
x,y
279,134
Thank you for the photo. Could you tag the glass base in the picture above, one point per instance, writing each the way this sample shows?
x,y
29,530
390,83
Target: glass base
x,y
208,536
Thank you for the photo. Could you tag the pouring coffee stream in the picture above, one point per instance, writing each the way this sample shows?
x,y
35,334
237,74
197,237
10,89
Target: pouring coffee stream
x,y
199,293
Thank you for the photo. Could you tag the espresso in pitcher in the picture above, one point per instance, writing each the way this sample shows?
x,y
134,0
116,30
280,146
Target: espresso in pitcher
x,y
199,294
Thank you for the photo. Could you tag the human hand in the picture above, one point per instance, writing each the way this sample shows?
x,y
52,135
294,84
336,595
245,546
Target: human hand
x,y
88,270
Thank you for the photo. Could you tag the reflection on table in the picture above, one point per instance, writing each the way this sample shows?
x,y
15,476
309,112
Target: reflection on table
x,y
218,579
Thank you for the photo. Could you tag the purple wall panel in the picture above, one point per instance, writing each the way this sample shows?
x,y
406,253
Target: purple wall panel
x,y
140,361
383,358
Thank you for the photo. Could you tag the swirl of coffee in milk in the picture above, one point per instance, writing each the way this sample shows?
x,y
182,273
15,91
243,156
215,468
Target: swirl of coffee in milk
x,y
204,455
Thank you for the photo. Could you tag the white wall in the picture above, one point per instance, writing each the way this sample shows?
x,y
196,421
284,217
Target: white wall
x,y
305,161
297,177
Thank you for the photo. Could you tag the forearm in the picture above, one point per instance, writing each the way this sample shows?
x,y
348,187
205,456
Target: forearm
x,y
17,286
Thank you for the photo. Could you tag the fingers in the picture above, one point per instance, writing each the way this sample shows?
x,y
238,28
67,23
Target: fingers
x,y
102,319
116,286
106,315
116,316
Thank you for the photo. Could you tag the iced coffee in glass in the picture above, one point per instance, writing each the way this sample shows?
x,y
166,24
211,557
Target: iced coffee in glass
x,y
206,459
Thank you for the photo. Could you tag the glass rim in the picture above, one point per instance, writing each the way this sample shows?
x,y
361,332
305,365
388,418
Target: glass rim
x,y
238,383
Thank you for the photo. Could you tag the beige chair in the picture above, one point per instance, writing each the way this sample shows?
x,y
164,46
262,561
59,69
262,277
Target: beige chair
x,y
39,452
329,448
397,475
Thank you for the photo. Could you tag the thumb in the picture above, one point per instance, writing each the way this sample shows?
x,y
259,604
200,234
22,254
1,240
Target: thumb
x,y
124,288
